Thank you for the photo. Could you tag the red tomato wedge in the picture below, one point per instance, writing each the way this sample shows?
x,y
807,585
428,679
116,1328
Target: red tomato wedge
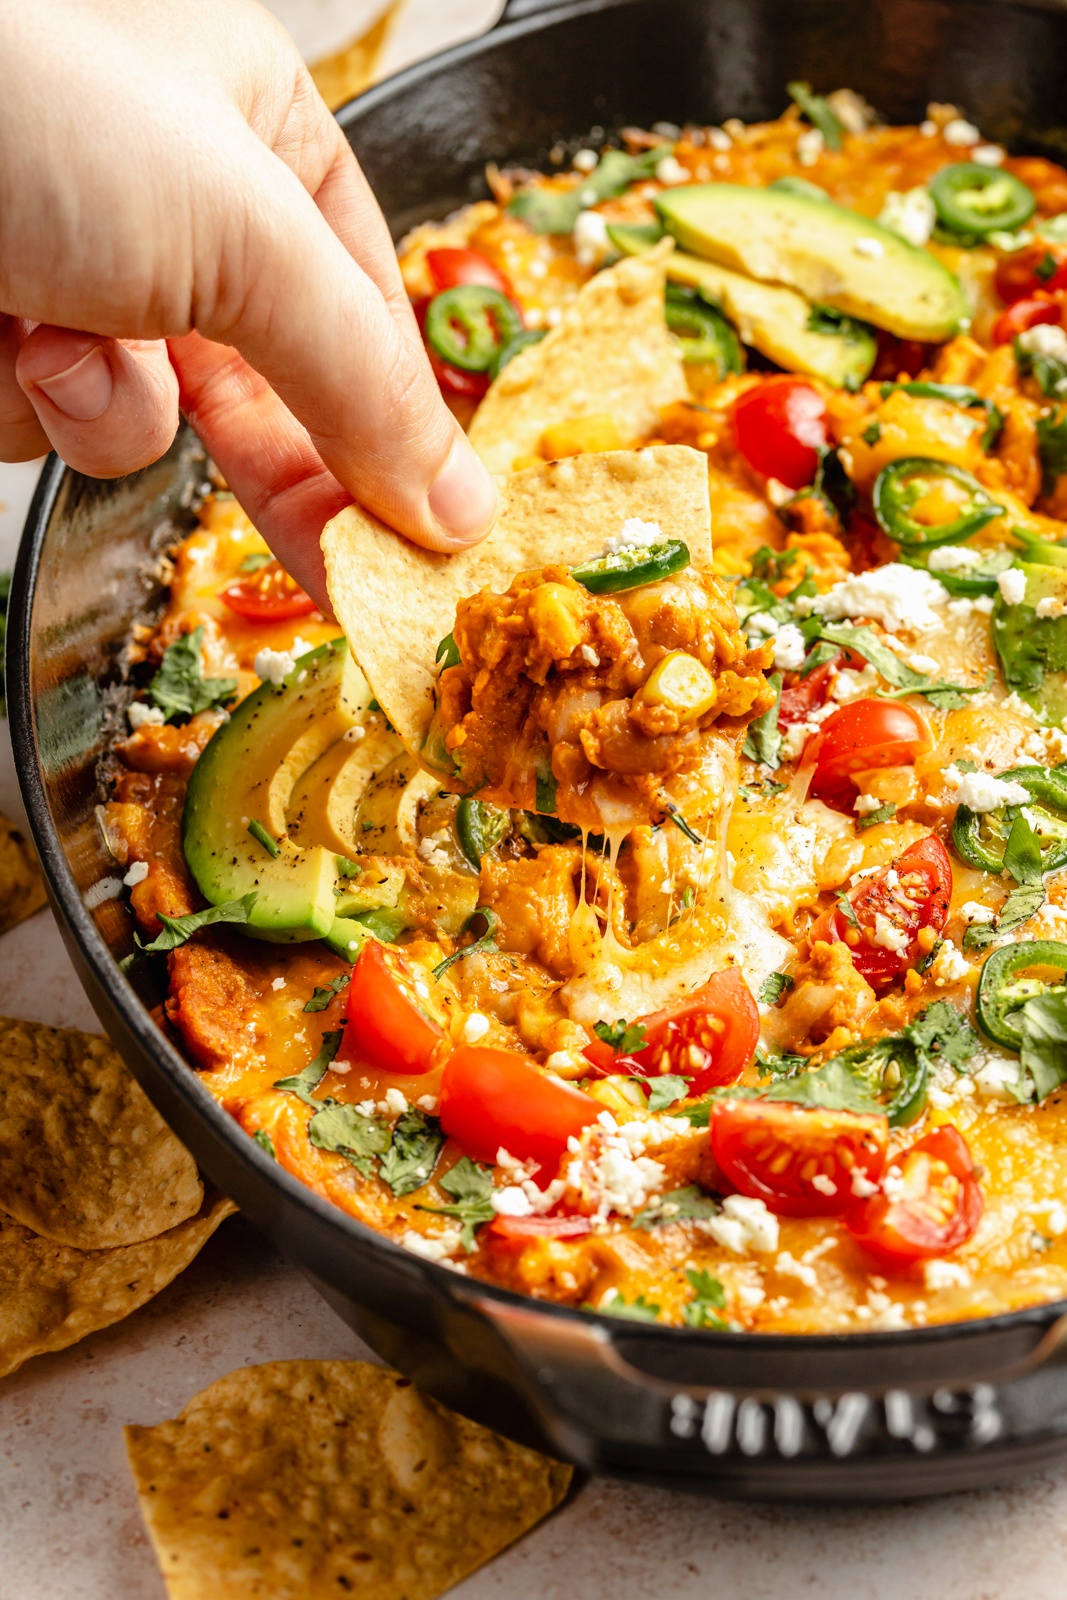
x,y
451,380
1025,273
780,427
865,734
269,595
520,1231
889,909
710,1036
493,1099
386,1027
1022,315
799,1160
929,1202
451,267
801,698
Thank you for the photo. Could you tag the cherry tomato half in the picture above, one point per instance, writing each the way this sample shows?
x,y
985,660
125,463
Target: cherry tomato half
x,y
519,1231
780,427
889,908
1023,273
799,699
496,1098
864,734
269,595
929,1202
1022,315
386,1027
712,1033
799,1160
451,267
451,380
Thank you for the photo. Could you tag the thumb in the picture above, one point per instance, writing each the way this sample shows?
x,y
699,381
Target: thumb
x,y
303,312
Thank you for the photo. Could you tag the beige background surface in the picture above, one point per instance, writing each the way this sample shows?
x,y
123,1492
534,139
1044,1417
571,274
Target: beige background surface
x,y
69,1524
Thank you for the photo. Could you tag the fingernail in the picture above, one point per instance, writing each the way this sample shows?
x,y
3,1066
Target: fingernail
x,y
83,391
463,496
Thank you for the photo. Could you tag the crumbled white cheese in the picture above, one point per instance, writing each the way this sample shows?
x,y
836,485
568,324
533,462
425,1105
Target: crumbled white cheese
x,y
787,1266
810,146
928,129
567,1063
1056,1220
433,849
778,493
795,736
273,666
994,1074
670,171
591,242
888,935
589,655
872,249
988,155
1047,339
910,213
474,1028
719,139
1050,606
949,965
952,558
897,596
395,1102
939,1274
921,663
137,874
510,1201
142,715
427,1103
864,804
366,1108
634,535
861,1185
278,984
850,685
432,1246
789,646
355,734
585,160
973,911
744,1225
611,1170
981,792
1012,586
824,1185
960,132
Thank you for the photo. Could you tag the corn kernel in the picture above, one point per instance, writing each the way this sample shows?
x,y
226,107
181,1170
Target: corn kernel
x,y
682,683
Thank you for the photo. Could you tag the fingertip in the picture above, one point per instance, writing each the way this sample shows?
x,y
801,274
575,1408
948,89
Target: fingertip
x,y
462,498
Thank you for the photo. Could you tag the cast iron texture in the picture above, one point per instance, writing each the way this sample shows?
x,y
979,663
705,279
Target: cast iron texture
x,y
866,1416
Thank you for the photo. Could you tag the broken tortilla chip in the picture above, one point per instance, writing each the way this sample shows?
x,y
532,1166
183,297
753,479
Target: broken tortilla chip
x,y
302,1480
610,356
396,601
52,1296
85,1158
21,884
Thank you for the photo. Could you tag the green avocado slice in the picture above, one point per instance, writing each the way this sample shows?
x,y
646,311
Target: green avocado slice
x,y
247,774
1032,649
831,255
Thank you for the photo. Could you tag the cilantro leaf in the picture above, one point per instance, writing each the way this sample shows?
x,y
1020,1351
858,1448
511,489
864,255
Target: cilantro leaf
x,y
1022,853
865,642
265,1142
943,1032
302,1083
1051,373
625,1038
709,1297
324,993
545,794
176,930
261,836
179,688
819,112
256,561
486,943
665,1090
872,433
818,656
1052,447
763,741
783,1066
1042,1022
471,1187
411,1157
676,1205
447,653
774,987
675,816
772,565
1022,858
548,210
349,1133
638,1310
832,1086
883,814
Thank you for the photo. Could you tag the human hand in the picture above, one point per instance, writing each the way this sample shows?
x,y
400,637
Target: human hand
x,y
183,222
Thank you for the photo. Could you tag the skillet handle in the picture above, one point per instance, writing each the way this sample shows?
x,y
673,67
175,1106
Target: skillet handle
x,y
586,1390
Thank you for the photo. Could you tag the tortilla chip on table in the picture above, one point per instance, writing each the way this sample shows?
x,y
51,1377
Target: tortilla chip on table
x,y
305,1480
21,884
396,601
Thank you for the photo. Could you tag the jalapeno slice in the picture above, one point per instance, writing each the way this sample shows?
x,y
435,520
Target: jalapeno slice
x,y
980,838
980,200
479,828
703,333
629,569
469,325
1001,989
896,1074
904,484
509,351
981,578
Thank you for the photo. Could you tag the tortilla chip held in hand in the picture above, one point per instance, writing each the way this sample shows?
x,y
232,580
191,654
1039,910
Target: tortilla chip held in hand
x,y
21,885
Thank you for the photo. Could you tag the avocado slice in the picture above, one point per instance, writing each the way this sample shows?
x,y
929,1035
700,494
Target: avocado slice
x,y
830,254
247,774
1032,650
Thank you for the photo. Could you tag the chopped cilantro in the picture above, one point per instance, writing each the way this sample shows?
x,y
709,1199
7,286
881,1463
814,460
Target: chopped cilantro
x,y
179,688
844,905
1051,376
820,655
625,1038
665,1090
774,987
772,565
780,1066
872,433
944,1033
873,818
614,1305
675,816
1022,858
545,793
256,561
486,943
348,869
302,1083
550,210
1052,447
350,1133
819,112
709,1298
763,741
471,1187
265,1142
676,1205
261,836
176,930
447,653
324,993
413,1153
905,680
832,1086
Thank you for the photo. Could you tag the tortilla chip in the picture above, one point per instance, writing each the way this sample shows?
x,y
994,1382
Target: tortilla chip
x,y
610,355
85,1158
340,77
396,602
52,1296
21,884
302,1480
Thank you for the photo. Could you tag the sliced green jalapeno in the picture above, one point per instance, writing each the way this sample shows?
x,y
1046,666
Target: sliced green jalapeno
x,y
486,320
980,838
1001,991
967,581
629,569
980,200
479,828
895,1067
901,485
703,333
509,351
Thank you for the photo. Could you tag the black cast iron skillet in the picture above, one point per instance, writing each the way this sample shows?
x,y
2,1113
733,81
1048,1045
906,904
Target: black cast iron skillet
x,y
878,1415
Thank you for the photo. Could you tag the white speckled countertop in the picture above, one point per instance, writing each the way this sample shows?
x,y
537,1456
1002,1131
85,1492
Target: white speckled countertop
x,y
70,1527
